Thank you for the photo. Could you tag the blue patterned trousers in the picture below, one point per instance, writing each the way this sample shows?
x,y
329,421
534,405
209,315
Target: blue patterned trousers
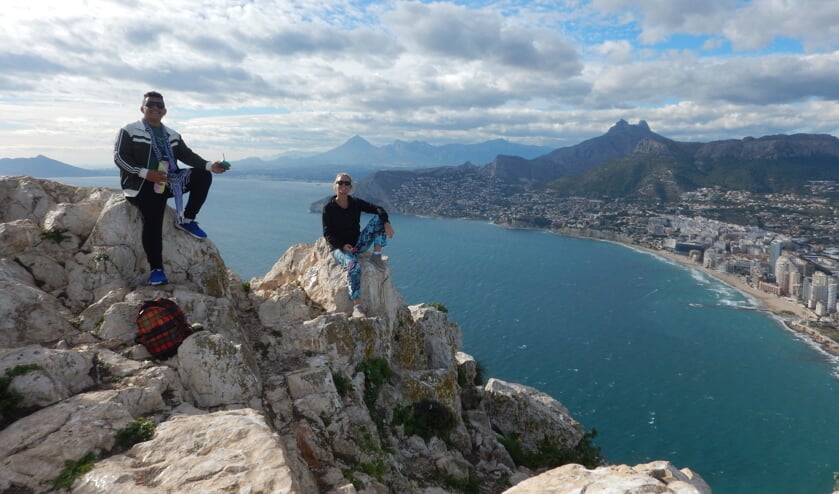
x,y
372,234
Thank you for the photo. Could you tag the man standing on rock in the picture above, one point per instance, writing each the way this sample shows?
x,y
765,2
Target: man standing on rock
x,y
147,154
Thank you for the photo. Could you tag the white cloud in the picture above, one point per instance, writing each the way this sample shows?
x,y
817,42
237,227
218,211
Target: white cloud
x,y
262,77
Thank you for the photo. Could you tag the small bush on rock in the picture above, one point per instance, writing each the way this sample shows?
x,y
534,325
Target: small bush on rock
x,y
466,486
57,235
9,399
376,372
343,384
478,379
549,455
138,430
426,418
73,470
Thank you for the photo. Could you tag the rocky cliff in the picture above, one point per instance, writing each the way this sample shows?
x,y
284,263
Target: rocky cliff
x,y
281,392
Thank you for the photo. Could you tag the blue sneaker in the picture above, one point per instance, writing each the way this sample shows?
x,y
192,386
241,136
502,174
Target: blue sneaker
x,y
192,228
157,277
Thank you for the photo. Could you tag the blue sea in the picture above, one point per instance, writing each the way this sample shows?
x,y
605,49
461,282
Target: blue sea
x,y
663,361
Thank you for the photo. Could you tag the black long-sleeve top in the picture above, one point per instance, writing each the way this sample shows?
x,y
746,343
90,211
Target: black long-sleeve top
x,y
343,226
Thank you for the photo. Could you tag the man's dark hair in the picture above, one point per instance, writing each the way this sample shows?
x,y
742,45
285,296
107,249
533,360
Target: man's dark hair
x,y
152,94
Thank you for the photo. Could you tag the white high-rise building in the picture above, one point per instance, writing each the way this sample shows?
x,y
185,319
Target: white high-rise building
x,y
819,289
795,284
774,253
782,269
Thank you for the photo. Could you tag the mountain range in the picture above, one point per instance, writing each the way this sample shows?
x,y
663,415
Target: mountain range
x,y
627,161
632,161
42,167
359,157
356,156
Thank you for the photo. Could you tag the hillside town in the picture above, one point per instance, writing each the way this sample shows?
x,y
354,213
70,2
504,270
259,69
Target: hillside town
x,y
781,244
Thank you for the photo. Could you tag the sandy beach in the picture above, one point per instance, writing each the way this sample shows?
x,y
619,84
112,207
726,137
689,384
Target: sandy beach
x,y
793,315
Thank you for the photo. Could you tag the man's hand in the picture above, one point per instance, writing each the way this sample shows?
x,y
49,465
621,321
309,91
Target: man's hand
x,y
218,168
156,176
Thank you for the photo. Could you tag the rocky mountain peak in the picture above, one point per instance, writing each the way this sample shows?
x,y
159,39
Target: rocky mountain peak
x,y
621,139
624,126
281,391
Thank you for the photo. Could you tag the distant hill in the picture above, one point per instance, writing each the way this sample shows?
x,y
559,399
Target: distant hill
x,y
631,161
619,141
665,169
42,167
359,157
356,156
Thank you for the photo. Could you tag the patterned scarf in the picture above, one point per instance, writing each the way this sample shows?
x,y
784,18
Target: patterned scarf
x,y
175,177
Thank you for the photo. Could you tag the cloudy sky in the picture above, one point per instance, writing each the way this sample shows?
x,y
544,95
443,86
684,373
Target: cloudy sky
x,y
265,77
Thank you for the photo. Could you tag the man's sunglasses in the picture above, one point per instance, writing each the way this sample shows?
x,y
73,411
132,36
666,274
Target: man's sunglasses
x,y
155,104
343,182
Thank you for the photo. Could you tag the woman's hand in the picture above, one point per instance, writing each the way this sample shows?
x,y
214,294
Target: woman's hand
x,y
349,249
388,230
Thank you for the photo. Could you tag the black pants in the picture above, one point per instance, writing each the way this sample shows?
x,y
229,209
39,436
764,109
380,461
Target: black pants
x,y
152,207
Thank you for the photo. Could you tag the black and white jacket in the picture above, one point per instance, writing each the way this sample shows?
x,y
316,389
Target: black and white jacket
x,y
133,156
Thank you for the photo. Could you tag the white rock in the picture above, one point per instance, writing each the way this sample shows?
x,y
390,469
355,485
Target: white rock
x,y
516,409
29,315
60,375
231,451
218,372
33,450
660,477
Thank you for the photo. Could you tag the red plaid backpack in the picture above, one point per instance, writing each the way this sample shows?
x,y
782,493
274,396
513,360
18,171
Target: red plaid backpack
x,y
161,327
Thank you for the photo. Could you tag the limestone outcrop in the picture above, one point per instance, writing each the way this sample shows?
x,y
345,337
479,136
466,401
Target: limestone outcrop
x,y
282,392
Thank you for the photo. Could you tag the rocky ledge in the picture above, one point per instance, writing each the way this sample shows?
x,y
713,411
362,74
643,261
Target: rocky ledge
x,y
281,393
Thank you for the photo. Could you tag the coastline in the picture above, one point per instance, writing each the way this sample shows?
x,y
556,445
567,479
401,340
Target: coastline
x,y
792,314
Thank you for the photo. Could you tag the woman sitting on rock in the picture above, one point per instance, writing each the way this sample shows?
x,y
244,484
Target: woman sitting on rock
x,y
341,219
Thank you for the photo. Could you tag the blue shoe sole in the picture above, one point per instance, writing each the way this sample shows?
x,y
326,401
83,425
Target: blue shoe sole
x,y
181,228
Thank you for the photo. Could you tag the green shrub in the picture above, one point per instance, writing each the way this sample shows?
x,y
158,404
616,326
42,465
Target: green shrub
x,y
138,430
480,373
73,470
368,445
477,381
549,455
262,348
376,469
466,486
461,378
350,475
426,418
439,306
343,384
376,372
9,399
57,235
